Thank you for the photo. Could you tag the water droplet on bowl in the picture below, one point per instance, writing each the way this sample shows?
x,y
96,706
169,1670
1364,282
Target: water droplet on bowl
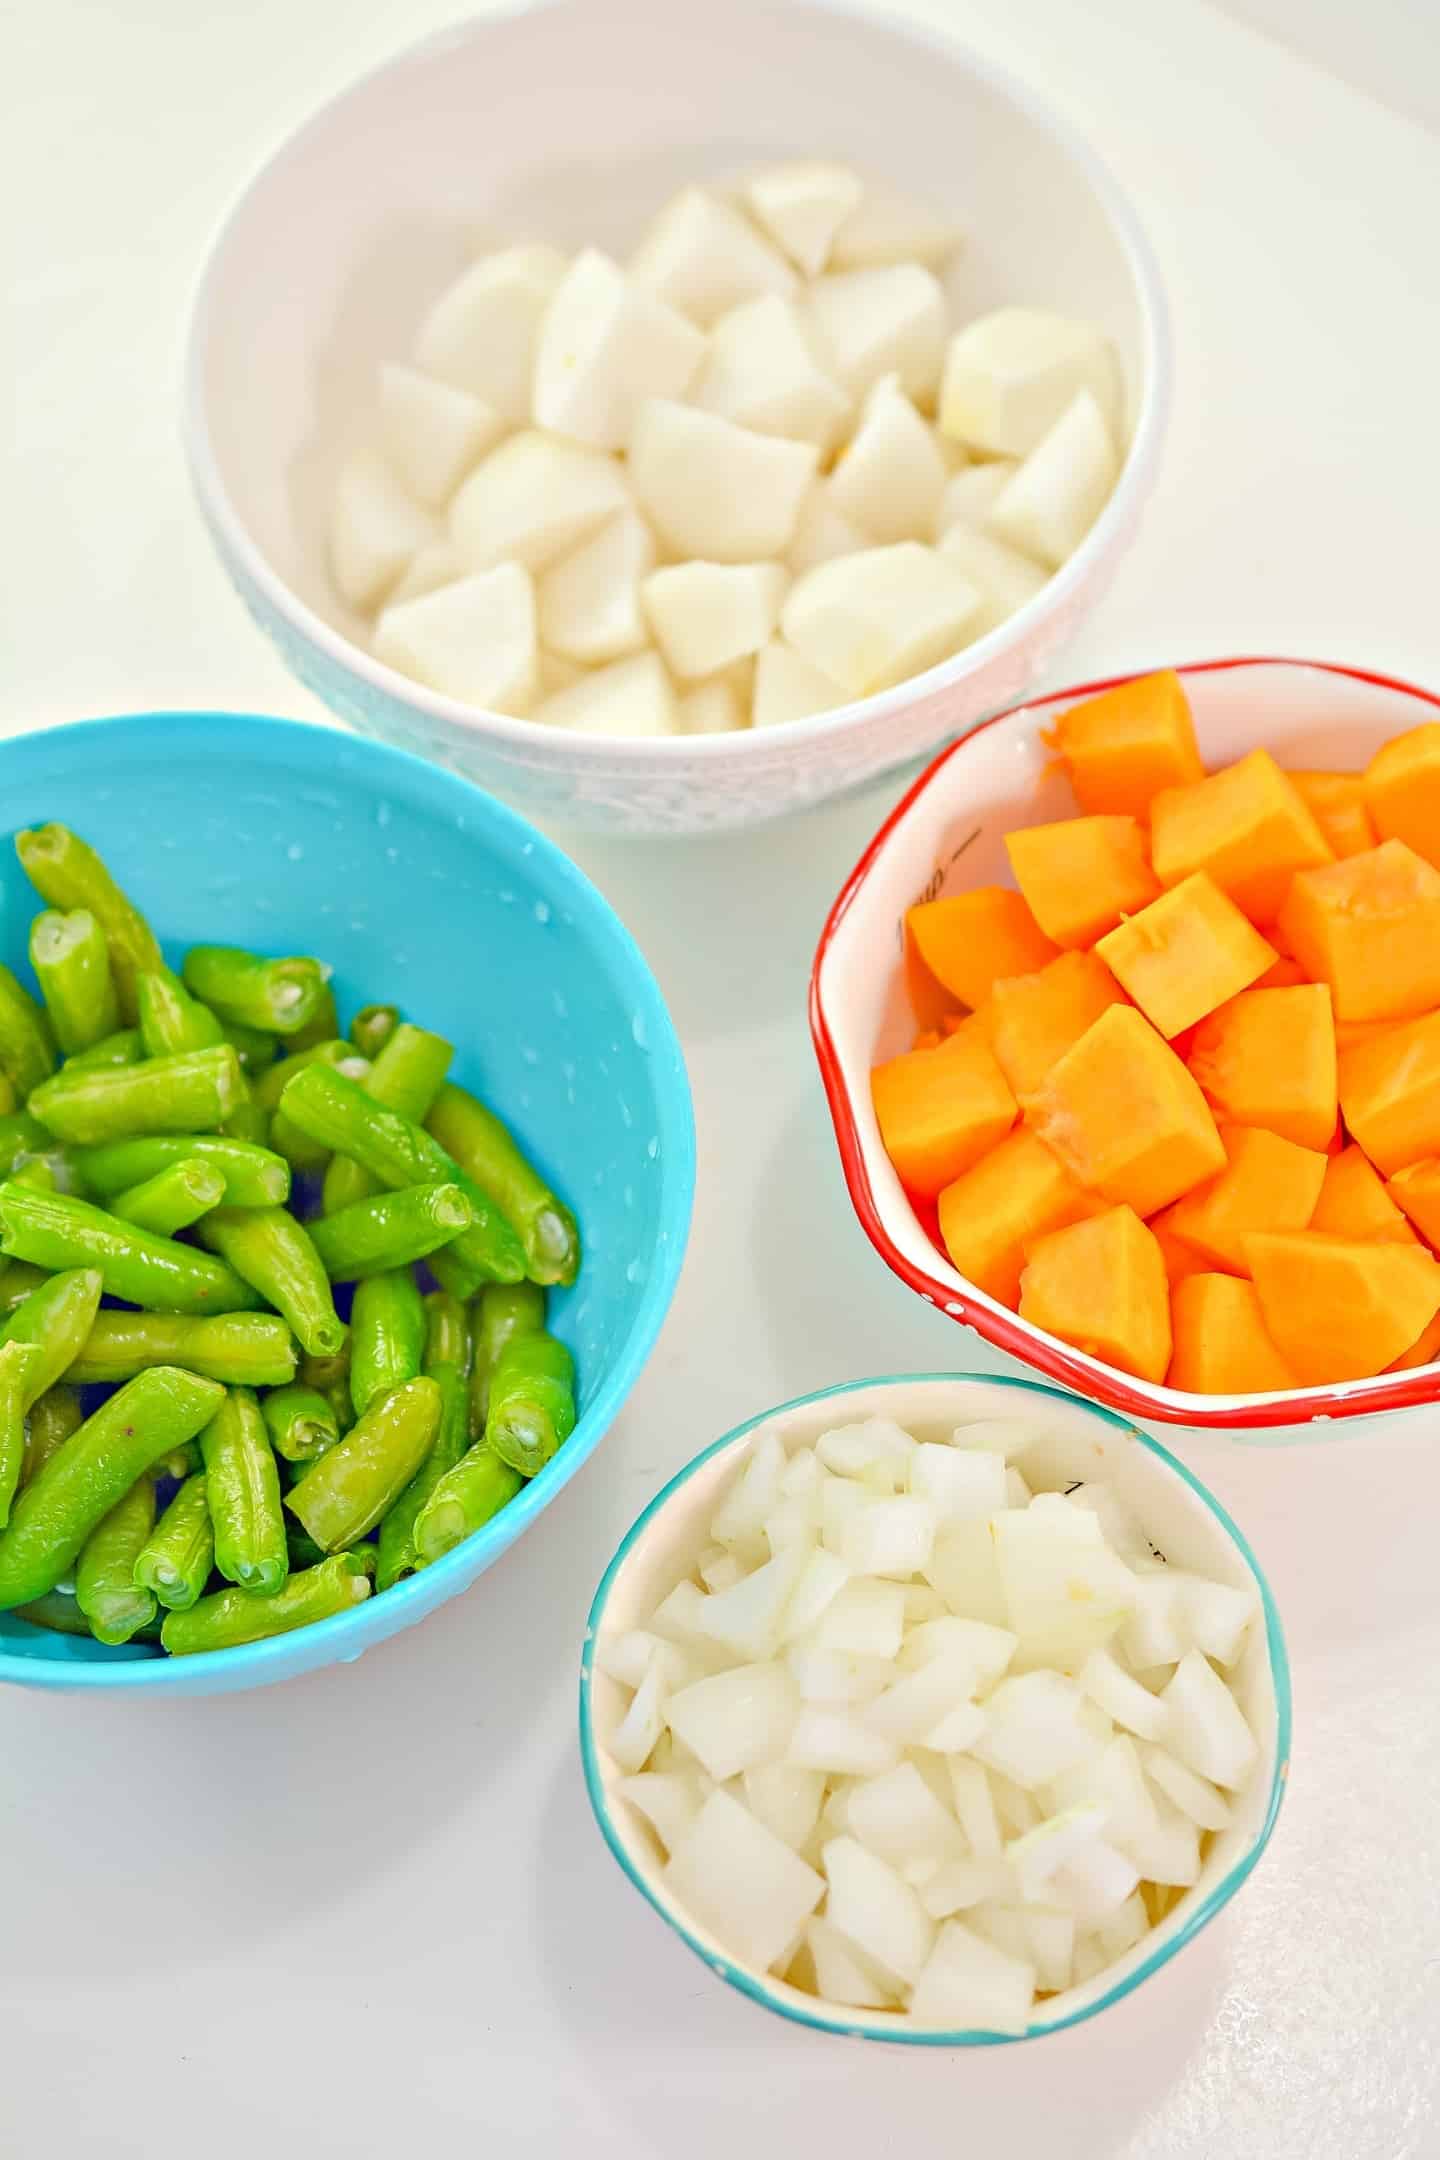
x,y
652,1147
382,813
542,911
531,1057
635,1271
637,1029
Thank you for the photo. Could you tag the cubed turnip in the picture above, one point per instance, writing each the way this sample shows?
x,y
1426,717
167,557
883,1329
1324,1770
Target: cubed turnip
x,y
887,320
747,1617
480,334
1011,374
897,1816
962,1568
822,533
887,226
473,640
1123,1698
1195,1796
789,688
970,1983
786,1800
833,1738
1065,1591
606,342
629,697
706,614
1062,486
736,1720
717,492
802,205
865,1618
589,601
703,256
761,372
843,1974
711,708
962,1485
971,494
375,530
821,1580
1005,579
742,1882
669,1800
974,1798
892,1538
890,477
837,1677
1033,1730
871,619
871,1905
532,500
433,433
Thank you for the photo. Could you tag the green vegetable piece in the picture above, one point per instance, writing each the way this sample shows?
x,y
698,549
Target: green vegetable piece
x,y
193,1093
58,1611
447,1332
463,1501
95,1468
347,1491
69,874
248,1122
502,1311
106,1590
268,1249
532,1402
18,1364
175,1561
272,1083
243,1491
17,1280
373,1027
300,1422
390,1231
406,1076
387,1336
51,1422
279,996
323,1024
55,1321
72,966
256,1049
487,1151
237,1349
171,1021
124,1047
229,1617
36,1173
173,1199
396,1546
303,1550
56,1231
27,1047
20,1137
254,1176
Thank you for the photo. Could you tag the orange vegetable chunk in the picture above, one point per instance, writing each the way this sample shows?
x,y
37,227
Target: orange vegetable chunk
x,y
1035,1018
1186,953
1390,1093
971,939
1402,790
1424,1351
1353,1031
1353,1202
1081,875
1124,1115
1245,826
1101,1286
1282,974
939,1110
976,1025
1416,1189
1268,1058
1180,1259
1222,1346
1370,928
1122,747
1267,1184
1336,801
1015,1193
1339,1308
930,1001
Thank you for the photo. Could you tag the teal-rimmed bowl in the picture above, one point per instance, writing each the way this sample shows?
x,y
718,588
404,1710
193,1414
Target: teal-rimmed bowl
x,y
1185,1521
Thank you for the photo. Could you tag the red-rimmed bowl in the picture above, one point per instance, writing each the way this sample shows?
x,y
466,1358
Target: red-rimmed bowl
x,y
947,835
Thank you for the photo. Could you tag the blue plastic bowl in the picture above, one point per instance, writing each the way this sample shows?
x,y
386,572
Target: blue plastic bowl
x,y
418,888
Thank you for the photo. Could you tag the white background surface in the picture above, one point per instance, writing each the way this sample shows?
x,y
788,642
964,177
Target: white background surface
x,y
369,1911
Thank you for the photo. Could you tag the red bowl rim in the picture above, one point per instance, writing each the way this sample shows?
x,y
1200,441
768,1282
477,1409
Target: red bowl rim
x,y
1044,1353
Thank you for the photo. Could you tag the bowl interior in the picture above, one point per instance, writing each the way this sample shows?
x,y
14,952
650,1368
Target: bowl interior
x,y
420,890
1184,1521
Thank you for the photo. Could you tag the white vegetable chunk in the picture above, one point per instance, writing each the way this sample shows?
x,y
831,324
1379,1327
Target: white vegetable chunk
x,y
964,1883
1123,1928
1094,1882
1010,375
630,697
1114,1782
677,1618
480,335
831,1738
742,1882
1167,1853
703,256
795,1521
884,321
432,433
922,1605
589,601
375,529
875,1450
1005,579
788,688
606,342
1036,1857
968,1982
842,1972
963,1570
626,1657
1033,1730
821,532
532,500
761,372
897,1816
721,1572
837,1678
1016,1810
1126,1701
971,494
1217,1615
802,206
892,1539
890,477
1195,1796
716,491
889,227
711,708
865,1618
975,1808
1066,1592
1156,1632
753,1494
872,619
876,1910
1010,1437
1207,1728
961,1486
786,1800
636,1734
669,1800
557,673
914,1705
987,1649
821,1580
1123,1533
1062,486
435,565
736,1720
1017,1492
841,1499
473,640
957,1732
747,1617
704,615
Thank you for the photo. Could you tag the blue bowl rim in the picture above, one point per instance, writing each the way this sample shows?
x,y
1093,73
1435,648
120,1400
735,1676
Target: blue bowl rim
x,y
434,788
840,2024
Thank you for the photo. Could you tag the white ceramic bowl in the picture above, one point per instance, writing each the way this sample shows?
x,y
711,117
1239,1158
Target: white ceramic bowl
x,y
572,120
1186,1523
947,835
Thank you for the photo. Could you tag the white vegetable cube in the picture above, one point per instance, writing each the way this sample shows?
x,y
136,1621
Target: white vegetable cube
x,y
753,1494
1066,1592
1130,1704
636,1734
1005,579
1094,1883
480,335
832,1738
1195,1796
897,1816
843,1974
865,1618
761,372
626,1657
922,1605
836,1678
822,531
711,708
960,1485
786,1800
1033,1731
872,619
1052,1945
963,1570
1009,1437
988,1650
1217,1615
974,1798
1114,1782
747,1617
1017,1492
890,477
795,1521
887,226
532,500
669,1800
432,433
972,493
678,1617
1062,486
556,673
1016,1810
1036,1857
802,206
375,529
875,1450
892,1539
703,256
1168,1852
715,491
435,565
840,1500
1010,375
1156,1632
473,640
957,1731
1207,1727
821,1580
914,1705
706,614
969,1983
606,342
870,1904
630,697
1125,1926
721,1572
589,601
961,1884
884,321
736,1720
1122,1530
742,1882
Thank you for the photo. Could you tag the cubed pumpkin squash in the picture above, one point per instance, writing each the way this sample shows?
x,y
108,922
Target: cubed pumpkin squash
x,y
1245,826
1268,1058
1282,974
1122,747
1370,928
1336,801
1424,1351
940,1110
1402,790
1267,1184
1101,1286
1124,1115
970,939
930,1001
1390,1093
1222,1346
975,1025
1081,875
1186,953
1035,1018
1015,1193
1341,1308
1416,1189
1354,1031
1354,1203
1180,1259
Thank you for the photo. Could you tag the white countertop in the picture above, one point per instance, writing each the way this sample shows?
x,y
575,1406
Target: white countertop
x,y
369,1911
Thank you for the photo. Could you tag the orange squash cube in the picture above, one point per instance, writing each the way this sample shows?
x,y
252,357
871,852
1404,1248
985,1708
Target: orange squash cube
x,y
939,1110
1081,875
1122,747
1341,1308
1015,1193
1101,1286
1354,1031
1221,1343
1035,1018
1282,974
1370,928
1267,1184
967,942
1186,953
1423,1351
1402,790
1354,1203
930,1001
1416,1189
1390,1093
1245,826
1124,1115
1336,801
974,1026
1180,1259
1268,1058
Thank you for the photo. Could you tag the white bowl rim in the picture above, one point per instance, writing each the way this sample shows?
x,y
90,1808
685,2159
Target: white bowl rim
x,y
601,752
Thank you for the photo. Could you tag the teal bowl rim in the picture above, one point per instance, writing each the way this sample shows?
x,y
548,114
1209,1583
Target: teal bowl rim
x,y
437,790
840,2024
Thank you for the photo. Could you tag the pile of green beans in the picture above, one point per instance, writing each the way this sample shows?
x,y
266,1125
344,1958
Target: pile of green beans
x,y
200,1446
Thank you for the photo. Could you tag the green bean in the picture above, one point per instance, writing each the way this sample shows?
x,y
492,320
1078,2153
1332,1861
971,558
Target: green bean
x,y
50,1424
502,1311
406,1076
72,966
447,1332
373,1027
173,1199
55,1321
229,1617
323,1024
36,1173
237,1349
279,996
27,1047
96,1467
463,1501
124,1047
192,1093
19,1363
69,874
390,1231
268,1248
242,1488
20,1136
347,1491
339,1115
58,1611
396,1547
272,1083
248,1122
256,1048
175,1561
387,1336
56,1231
254,1176
106,1589
532,1402
17,1280
171,1021
300,1422
487,1152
